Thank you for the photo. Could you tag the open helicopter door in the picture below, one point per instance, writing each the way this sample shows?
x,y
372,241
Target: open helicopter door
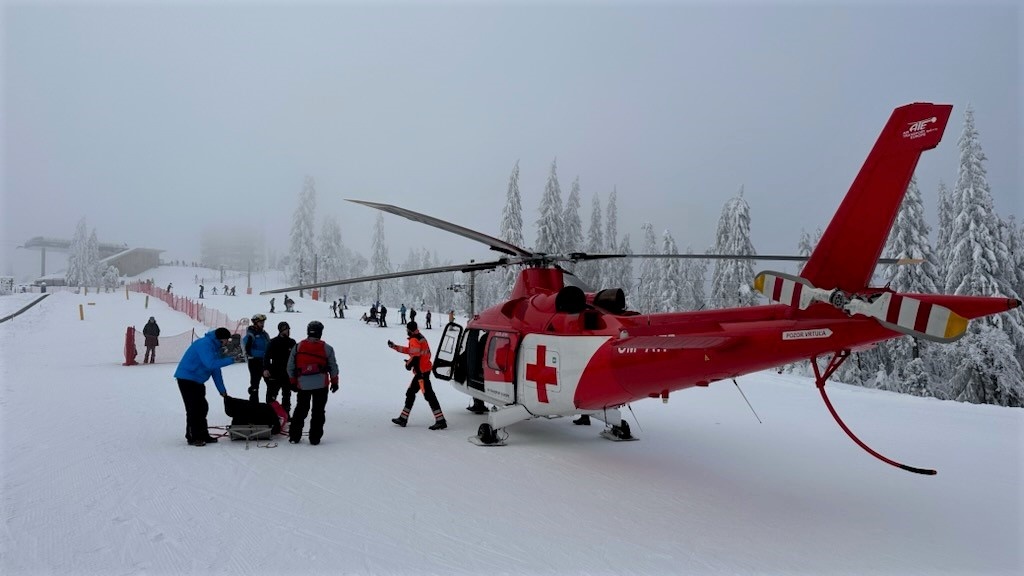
x,y
447,363
498,365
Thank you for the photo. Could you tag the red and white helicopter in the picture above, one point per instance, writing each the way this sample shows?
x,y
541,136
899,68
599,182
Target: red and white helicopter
x,y
555,348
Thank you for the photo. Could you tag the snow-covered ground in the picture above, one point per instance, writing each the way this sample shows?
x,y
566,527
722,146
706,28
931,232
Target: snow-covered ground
x,y
97,478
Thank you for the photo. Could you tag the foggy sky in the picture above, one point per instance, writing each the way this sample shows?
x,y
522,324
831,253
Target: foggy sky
x,y
153,121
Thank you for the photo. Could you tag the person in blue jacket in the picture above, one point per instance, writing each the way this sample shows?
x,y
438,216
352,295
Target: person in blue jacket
x,y
255,343
202,360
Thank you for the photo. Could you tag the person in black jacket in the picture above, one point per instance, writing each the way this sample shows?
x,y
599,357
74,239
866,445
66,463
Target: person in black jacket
x,y
275,366
152,333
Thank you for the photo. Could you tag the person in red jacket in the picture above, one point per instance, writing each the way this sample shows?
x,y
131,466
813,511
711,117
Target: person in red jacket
x,y
419,363
312,369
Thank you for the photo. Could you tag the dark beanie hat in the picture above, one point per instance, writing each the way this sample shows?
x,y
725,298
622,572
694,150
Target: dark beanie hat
x,y
282,326
411,327
222,334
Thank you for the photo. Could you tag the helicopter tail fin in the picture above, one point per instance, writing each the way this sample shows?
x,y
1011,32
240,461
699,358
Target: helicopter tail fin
x,y
846,255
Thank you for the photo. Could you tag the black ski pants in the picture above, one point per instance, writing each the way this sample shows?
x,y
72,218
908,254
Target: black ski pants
x,y
318,398
255,375
279,383
428,393
193,394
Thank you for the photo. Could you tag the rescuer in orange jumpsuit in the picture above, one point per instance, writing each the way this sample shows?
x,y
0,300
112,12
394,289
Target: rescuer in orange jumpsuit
x,y
419,363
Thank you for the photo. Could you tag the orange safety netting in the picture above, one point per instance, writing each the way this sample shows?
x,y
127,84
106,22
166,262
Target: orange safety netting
x,y
172,348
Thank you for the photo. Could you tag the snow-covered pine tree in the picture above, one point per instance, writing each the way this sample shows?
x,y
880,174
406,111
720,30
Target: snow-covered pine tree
x,y
437,296
731,280
94,270
330,257
942,237
987,370
410,284
590,272
806,246
694,277
976,266
671,282
111,278
549,225
511,229
300,245
78,259
572,227
1015,243
650,273
909,239
1013,272
357,266
381,263
622,273
615,270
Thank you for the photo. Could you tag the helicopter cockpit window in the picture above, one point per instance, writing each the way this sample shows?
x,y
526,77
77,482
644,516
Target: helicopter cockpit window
x,y
498,353
570,279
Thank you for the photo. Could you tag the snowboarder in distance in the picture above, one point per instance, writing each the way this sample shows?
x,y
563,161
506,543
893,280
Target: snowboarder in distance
x,y
169,286
271,305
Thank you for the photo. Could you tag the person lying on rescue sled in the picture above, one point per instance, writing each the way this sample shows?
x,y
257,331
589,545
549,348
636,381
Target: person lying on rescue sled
x,y
204,358
311,366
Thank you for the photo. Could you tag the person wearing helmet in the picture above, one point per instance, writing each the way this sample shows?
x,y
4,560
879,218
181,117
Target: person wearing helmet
x,y
255,343
419,364
275,366
312,366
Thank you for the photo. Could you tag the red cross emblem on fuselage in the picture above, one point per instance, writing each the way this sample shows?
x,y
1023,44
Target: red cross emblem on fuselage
x,y
542,374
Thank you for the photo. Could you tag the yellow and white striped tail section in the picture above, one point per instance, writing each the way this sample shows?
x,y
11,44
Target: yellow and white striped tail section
x,y
894,311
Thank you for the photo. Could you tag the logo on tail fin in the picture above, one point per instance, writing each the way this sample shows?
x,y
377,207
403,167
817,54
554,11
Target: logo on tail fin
x,y
920,128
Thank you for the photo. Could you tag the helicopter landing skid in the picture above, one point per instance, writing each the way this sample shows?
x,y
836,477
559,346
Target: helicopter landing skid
x,y
618,433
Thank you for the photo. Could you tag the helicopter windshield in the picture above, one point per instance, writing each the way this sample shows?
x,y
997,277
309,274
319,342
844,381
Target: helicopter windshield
x,y
570,279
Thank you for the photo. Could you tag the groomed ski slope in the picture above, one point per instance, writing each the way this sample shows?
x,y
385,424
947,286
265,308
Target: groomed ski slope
x,y
97,478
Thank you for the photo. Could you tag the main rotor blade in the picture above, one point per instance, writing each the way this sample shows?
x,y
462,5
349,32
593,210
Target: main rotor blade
x,y
471,267
579,256
494,243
